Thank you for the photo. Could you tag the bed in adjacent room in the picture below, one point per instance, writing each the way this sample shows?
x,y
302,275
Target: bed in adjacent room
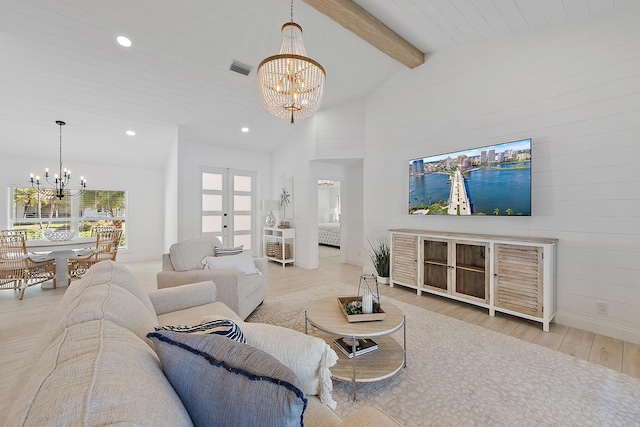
x,y
329,234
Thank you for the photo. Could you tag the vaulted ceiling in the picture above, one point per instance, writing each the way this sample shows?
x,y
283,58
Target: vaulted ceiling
x,y
59,61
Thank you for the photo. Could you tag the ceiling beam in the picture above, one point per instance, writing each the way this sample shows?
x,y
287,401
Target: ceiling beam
x,y
360,22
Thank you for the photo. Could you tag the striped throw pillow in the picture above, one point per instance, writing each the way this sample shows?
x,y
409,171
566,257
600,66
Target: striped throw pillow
x,y
223,327
228,251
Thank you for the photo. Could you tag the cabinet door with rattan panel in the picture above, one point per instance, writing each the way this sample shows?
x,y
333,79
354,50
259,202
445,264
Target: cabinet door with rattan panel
x,y
404,259
518,278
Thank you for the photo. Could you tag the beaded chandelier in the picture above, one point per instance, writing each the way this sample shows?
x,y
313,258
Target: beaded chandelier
x,y
290,83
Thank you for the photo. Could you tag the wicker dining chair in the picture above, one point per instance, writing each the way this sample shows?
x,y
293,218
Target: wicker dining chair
x,y
107,243
19,269
100,228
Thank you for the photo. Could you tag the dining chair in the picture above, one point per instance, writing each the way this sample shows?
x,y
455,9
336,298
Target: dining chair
x,y
99,229
18,268
107,243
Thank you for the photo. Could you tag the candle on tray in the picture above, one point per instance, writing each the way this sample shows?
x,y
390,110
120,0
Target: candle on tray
x,y
367,304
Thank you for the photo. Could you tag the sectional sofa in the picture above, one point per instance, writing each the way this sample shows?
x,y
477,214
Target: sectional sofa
x,y
97,361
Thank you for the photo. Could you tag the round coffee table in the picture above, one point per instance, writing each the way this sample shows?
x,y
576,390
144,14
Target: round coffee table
x,y
390,357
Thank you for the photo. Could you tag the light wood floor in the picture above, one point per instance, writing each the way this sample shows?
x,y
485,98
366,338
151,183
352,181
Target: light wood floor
x,y
613,353
22,321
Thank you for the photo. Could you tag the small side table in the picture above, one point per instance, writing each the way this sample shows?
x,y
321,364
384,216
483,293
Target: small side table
x,y
390,357
279,245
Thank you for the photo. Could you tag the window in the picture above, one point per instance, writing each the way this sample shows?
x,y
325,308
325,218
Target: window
x,y
32,211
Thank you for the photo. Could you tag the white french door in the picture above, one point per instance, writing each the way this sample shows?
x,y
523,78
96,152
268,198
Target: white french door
x,y
227,205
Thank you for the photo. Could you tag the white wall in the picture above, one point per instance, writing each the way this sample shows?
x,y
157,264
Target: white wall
x,y
144,187
328,202
324,204
330,137
353,214
171,197
292,161
575,91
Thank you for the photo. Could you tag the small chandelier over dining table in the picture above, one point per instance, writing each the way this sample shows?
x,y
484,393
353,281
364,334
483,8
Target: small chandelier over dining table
x,y
290,83
60,180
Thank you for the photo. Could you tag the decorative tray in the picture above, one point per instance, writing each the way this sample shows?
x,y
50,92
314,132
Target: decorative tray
x,y
359,317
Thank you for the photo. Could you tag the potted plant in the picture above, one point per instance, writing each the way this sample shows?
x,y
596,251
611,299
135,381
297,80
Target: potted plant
x,y
380,254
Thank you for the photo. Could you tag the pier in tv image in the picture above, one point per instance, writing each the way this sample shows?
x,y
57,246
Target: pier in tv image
x,y
491,180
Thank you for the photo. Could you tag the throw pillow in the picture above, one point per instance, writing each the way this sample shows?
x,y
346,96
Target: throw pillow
x,y
242,262
225,383
228,251
223,327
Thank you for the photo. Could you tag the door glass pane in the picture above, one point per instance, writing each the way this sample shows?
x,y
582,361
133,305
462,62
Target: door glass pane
x,y
212,202
242,222
242,239
211,223
241,183
211,181
242,203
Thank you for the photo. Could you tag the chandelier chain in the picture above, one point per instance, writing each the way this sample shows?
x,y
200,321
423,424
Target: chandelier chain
x,y
60,123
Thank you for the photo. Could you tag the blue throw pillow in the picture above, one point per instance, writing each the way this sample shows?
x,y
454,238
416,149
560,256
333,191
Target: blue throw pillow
x,y
223,327
222,382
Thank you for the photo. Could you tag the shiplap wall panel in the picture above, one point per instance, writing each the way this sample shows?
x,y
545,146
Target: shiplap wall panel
x,y
573,89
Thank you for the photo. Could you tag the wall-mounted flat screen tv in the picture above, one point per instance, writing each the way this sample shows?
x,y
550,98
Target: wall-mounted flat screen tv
x,y
491,180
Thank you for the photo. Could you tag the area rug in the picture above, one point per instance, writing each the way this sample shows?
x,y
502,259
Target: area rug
x,y
459,374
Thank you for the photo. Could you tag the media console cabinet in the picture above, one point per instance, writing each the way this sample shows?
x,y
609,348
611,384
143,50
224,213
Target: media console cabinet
x,y
514,275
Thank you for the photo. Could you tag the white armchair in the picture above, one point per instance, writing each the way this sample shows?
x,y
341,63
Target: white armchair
x,y
240,291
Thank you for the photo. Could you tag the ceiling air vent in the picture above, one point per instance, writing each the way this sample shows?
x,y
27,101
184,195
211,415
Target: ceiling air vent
x,y
241,68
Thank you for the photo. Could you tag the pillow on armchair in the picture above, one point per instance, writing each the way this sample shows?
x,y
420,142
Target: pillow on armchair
x,y
220,251
242,262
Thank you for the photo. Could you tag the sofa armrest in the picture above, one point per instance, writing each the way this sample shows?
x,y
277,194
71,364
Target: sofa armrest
x,y
370,416
167,265
182,297
261,264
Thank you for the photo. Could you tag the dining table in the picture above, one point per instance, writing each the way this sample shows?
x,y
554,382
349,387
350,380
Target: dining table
x,y
60,250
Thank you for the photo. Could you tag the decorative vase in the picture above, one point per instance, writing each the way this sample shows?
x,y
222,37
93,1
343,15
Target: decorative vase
x,y
270,220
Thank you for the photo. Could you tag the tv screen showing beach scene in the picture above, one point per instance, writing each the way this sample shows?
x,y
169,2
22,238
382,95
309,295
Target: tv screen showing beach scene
x,y
491,180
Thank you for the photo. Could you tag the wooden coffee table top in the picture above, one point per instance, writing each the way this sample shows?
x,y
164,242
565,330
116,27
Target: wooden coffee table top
x,y
325,314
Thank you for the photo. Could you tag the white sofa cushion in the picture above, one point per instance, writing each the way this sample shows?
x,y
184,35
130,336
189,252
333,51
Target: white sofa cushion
x,y
308,356
186,255
115,274
138,312
97,373
114,304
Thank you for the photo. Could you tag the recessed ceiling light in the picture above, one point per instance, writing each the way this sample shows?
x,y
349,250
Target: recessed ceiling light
x,y
124,41
130,133
245,129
